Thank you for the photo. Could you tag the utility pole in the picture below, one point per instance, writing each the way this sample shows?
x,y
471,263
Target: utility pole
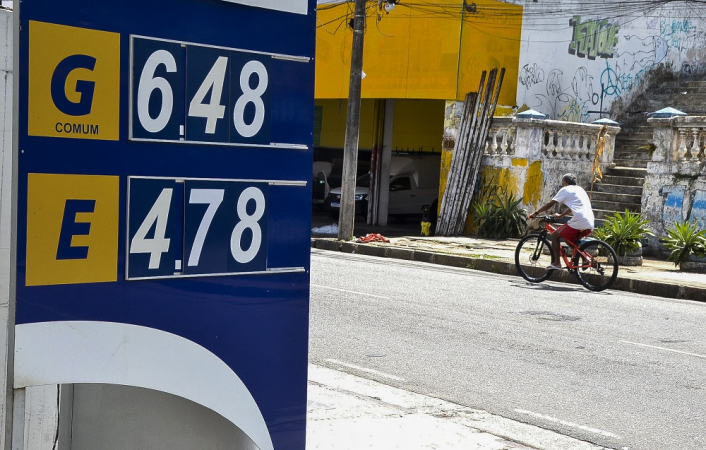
x,y
350,150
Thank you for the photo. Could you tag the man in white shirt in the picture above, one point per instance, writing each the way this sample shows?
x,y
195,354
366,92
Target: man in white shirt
x,y
578,203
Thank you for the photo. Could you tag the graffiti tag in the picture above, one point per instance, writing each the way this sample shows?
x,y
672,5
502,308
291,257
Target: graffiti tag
x,y
531,75
593,38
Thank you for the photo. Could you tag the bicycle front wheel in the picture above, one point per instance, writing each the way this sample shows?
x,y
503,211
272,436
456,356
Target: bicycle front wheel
x,y
598,269
532,256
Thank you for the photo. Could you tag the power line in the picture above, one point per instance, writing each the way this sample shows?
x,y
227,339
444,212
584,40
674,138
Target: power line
x,y
487,18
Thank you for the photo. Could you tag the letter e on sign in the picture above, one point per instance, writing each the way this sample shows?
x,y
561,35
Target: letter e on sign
x,y
72,229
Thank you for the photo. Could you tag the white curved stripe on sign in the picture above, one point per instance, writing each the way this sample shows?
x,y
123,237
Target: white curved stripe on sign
x,y
130,355
292,6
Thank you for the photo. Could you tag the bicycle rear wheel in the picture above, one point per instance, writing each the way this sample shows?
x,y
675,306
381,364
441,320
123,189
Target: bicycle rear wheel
x,y
599,270
532,256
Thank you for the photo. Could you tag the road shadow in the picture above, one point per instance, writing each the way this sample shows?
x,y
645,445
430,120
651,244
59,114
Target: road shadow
x,y
551,288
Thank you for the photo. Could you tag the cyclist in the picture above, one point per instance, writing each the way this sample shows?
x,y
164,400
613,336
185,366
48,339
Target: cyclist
x,y
578,203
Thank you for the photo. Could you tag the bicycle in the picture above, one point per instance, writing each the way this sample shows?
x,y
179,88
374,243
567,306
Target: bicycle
x,y
594,262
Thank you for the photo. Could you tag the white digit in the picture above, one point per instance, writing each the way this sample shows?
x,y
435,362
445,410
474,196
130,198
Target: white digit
x,y
213,198
253,96
148,83
213,82
248,221
158,244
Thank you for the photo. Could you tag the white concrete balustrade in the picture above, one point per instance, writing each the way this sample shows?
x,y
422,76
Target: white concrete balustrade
x,y
690,147
679,139
501,138
555,139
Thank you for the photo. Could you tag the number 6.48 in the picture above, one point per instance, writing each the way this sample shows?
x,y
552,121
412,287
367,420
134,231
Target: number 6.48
x,y
185,95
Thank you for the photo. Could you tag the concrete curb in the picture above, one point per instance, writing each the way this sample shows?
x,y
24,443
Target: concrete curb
x,y
654,288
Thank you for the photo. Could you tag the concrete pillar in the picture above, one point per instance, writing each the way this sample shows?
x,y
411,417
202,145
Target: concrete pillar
x,y
530,135
385,157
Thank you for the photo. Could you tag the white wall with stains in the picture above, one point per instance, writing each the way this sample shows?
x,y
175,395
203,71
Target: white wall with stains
x,y
575,55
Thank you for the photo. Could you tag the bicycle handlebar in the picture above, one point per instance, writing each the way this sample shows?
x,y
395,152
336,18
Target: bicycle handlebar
x,y
546,218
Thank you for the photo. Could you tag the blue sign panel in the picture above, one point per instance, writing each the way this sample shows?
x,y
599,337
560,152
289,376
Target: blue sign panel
x,y
163,202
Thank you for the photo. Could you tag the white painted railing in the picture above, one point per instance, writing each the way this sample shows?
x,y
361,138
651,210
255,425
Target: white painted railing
x,y
572,141
555,139
501,138
691,143
679,139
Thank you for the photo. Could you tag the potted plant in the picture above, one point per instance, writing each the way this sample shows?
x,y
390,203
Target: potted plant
x,y
624,232
686,241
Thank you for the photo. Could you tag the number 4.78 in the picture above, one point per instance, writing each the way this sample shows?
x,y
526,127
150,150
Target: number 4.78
x,y
158,216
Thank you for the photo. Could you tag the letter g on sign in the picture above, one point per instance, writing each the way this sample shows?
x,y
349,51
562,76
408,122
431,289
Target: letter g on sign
x,y
84,88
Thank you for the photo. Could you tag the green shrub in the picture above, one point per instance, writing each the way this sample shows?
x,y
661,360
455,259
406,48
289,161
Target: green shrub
x,y
623,232
500,216
685,239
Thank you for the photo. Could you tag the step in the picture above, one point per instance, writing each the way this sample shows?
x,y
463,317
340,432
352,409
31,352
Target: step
x,y
602,214
618,188
634,135
623,180
616,206
633,144
690,83
638,154
629,172
627,135
616,197
631,163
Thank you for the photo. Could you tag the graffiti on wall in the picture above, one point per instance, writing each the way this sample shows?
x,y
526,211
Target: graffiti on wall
x,y
593,38
573,101
698,209
531,74
674,202
617,56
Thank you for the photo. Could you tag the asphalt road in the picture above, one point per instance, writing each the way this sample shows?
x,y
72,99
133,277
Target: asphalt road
x,y
619,370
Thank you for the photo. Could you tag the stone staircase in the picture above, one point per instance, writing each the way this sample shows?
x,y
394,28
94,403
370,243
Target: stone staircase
x,y
621,187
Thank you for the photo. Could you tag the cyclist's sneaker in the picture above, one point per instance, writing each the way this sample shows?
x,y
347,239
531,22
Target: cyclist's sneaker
x,y
553,267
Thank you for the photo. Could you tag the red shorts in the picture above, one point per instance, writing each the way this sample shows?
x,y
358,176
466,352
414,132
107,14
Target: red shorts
x,y
571,234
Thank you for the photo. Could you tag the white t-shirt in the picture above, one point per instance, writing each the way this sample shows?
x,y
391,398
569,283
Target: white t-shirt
x,y
576,199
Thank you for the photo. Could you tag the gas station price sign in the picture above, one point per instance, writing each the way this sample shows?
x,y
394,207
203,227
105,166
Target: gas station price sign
x,y
163,181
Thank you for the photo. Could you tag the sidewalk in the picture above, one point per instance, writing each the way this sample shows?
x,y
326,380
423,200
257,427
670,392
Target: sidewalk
x,y
654,277
346,412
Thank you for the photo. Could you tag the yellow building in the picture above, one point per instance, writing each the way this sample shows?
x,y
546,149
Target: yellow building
x,y
422,55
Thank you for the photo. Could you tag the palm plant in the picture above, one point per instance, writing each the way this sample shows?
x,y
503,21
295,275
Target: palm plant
x,y
624,232
685,239
500,216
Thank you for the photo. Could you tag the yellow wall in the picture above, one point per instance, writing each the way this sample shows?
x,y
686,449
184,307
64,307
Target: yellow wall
x,y
333,126
414,52
491,38
418,124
